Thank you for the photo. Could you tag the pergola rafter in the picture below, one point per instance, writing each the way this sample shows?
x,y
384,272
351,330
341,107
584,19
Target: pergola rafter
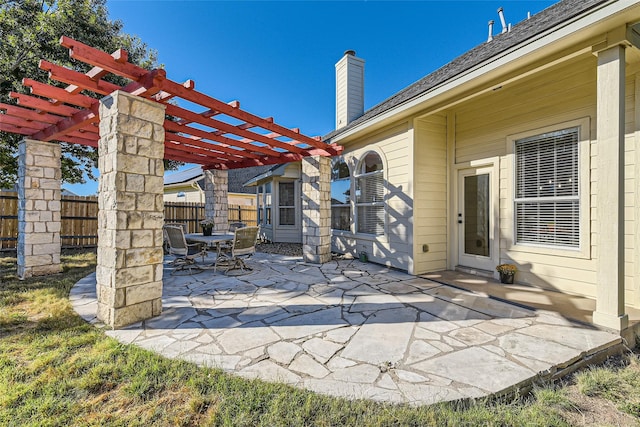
x,y
212,138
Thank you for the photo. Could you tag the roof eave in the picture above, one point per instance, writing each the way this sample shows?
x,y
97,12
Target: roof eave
x,y
259,179
493,65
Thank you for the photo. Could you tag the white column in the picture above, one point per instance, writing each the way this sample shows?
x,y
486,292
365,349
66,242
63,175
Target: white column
x,y
131,209
610,305
39,176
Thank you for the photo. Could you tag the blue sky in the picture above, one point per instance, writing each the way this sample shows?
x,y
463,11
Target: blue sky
x,y
277,58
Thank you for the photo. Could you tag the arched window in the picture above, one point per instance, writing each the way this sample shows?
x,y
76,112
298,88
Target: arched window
x,y
340,195
369,180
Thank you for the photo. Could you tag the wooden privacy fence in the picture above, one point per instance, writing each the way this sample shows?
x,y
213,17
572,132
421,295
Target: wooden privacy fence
x,y
79,215
193,213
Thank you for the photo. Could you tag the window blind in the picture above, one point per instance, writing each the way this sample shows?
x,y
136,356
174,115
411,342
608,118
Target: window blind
x,y
547,199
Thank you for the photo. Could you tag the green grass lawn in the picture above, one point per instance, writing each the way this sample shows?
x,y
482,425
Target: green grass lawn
x,y
55,369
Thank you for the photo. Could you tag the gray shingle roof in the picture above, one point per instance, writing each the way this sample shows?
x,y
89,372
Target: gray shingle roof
x,y
183,176
237,177
545,20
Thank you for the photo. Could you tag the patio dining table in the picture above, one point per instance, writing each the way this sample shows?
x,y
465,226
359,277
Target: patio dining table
x,y
215,240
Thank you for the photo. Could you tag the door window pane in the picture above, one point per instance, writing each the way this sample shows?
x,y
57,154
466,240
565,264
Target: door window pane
x,y
476,215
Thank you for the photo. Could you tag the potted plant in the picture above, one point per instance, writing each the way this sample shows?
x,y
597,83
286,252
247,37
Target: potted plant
x,y
207,226
507,272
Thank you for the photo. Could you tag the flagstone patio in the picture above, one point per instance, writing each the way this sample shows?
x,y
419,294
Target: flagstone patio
x,y
357,330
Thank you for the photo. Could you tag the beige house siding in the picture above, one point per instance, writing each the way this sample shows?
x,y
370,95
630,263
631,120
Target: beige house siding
x,y
562,94
191,195
635,189
392,248
632,196
557,96
430,194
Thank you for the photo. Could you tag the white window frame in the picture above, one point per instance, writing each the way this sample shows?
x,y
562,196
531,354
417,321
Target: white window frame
x,y
584,160
348,179
264,209
358,174
293,207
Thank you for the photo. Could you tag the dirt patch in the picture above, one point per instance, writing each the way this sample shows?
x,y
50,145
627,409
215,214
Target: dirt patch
x,y
590,411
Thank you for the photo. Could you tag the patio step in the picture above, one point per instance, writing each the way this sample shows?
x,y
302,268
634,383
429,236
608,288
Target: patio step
x,y
475,271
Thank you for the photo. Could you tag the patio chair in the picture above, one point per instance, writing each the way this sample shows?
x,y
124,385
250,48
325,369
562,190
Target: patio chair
x,y
235,225
242,247
187,253
165,243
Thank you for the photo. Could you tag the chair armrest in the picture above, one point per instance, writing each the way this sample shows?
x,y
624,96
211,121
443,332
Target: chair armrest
x,y
194,248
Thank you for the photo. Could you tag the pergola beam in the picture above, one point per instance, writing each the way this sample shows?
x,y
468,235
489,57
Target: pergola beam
x,y
226,128
174,127
40,104
27,114
197,146
65,114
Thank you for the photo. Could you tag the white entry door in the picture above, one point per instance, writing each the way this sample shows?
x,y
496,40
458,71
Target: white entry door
x,y
475,219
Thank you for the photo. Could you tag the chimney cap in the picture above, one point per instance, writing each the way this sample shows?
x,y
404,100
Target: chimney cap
x,y
350,52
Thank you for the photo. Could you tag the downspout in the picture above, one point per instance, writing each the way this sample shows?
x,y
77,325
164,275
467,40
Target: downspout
x,y
195,186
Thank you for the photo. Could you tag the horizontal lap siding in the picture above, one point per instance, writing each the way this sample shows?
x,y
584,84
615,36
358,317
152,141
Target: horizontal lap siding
x,y
391,249
430,194
564,93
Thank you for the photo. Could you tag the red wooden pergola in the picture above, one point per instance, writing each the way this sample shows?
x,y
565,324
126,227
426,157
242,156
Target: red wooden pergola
x,y
222,136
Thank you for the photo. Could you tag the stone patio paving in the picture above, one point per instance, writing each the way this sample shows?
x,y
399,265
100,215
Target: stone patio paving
x,y
355,330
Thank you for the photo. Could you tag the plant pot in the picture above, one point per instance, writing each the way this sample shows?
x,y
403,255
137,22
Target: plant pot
x,y
507,278
207,231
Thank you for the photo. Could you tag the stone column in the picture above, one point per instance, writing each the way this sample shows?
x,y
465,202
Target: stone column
x,y
610,307
131,209
39,178
216,198
316,209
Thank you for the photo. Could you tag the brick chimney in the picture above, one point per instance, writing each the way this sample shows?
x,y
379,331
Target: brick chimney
x,y
349,89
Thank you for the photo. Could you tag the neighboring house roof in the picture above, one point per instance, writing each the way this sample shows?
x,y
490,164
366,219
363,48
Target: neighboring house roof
x,y
66,192
236,177
277,170
543,21
183,176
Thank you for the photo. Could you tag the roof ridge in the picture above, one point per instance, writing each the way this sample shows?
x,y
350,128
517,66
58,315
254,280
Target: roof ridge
x,y
539,23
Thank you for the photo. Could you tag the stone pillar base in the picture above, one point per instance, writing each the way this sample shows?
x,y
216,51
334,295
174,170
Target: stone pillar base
x,y
131,209
39,176
216,198
316,209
